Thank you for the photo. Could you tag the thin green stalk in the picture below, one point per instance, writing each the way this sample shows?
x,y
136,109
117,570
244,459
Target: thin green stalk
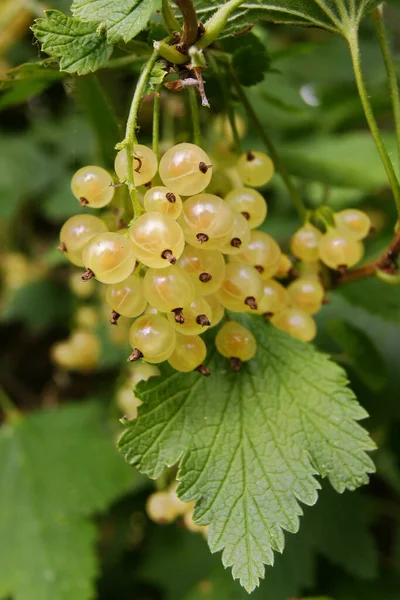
x,y
228,104
377,15
195,114
296,199
373,125
156,120
11,412
131,126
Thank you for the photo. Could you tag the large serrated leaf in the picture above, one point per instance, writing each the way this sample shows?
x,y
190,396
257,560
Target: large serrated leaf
x,y
251,443
328,14
80,47
47,545
123,19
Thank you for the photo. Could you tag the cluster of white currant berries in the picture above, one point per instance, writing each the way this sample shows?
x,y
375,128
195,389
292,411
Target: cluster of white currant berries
x,y
181,263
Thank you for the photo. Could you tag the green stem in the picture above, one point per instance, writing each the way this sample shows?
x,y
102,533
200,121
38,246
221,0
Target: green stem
x,y
170,21
12,413
195,114
123,61
156,120
131,126
377,15
373,125
296,199
224,86
217,23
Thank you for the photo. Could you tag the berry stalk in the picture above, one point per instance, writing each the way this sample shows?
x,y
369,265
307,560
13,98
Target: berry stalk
x,y
194,111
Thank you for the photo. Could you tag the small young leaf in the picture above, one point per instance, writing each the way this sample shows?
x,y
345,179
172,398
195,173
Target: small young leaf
x,y
47,544
124,19
157,75
361,354
250,443
250,58
80,47
26,81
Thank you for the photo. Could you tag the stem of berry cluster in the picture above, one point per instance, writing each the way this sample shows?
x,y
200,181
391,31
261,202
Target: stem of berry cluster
x,y
195,114
385,262
296,199
156,120
353,42
190,23
377,15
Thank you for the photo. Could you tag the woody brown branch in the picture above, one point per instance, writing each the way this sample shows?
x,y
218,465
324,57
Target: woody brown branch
x,y
386,262
190,23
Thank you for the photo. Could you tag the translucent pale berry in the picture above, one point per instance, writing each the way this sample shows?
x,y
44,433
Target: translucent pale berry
x,y
235,341
110,257
255,168
185,169
160,507
168,289
263,253
241,289
81,351
217,309
240,236
337,248
285,265
144,165
127,297
157,240
190,352
142,371
152,338
307,294
249,203
161,199
305,243
92,186
206,268
81,289
355,222
197,318
86,317
296,322
180,506
207,221
76,232
127,402
274,299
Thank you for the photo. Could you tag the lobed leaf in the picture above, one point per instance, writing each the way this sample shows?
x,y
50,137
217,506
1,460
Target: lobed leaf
x,y
80,47
124,19
25,82
250,444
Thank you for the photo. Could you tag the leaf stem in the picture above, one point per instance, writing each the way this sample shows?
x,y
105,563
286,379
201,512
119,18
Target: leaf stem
x,y
377,15
156,120
295,196
353,42
195,114
131,126
190,23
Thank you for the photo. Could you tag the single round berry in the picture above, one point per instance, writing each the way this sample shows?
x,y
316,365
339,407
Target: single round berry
x,y
338,249
76,232
307,294
152,338
190,352
305,243
206,221
80,352
160,507
110,257
161,199
297,323
241,289
285,267
205,267
249,203
255,168
81,289
92,186
217,309
263,253
86,317
274,299
197,318
144,164
157,240
185,169
240,236
126,298
353,221
168,289
141,371
235,341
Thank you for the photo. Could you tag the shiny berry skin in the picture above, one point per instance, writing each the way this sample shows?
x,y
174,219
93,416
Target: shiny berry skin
x,y
152,337
161,199
236,341
249,203
185,169
92,186
157,240
305,243
190,352
206,221
206,268
110,257
144,164
76,232
255,168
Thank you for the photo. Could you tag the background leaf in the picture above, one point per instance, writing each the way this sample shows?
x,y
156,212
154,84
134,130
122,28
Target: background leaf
x,y
25,82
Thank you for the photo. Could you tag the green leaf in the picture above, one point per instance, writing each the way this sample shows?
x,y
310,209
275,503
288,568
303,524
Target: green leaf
x,y
124,19
25,82
374,296
321,13
360,353
57,468
250,444
157,75
250,58
80,47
